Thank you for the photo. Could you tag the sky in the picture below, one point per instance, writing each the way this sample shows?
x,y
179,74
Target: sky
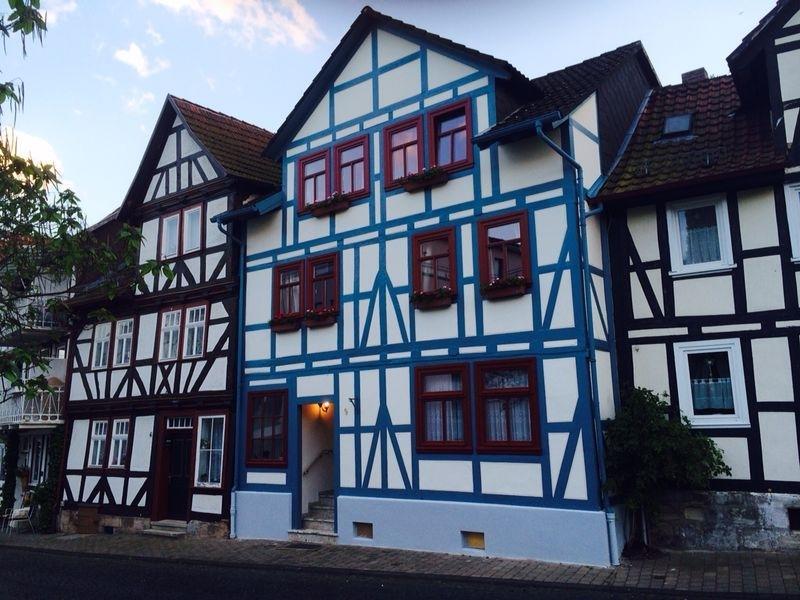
x,y
94,89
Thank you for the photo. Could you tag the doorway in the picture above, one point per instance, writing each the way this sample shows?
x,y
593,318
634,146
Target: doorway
x,y
177,472
316,452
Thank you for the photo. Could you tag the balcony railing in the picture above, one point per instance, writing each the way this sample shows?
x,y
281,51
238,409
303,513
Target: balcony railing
x,y
44,409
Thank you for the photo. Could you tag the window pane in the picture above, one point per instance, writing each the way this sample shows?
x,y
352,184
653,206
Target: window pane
x,y
358,176
404,137
520,418
712,388
314,167
454,421
443,156
507,231
290,299
459,146
452,121
191,230
427,274
347,180
699,237
442,382
170,240
319,188
433,421
308,190
398,169
495,379
431,247
412,165
352,154
322,269
496,424
289,277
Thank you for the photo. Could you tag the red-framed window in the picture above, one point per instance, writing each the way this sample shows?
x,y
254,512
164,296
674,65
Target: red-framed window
x,y
351,167
450,136
443,408
287,286
313,178
267,415
402,150
504,248
322,283
181,232
507,408
434,261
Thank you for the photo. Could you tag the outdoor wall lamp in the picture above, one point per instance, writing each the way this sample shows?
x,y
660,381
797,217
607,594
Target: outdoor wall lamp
x,y
324,406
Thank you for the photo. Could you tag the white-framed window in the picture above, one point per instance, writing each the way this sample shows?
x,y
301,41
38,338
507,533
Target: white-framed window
x,y
192,223
710,376
195,334
123,342
210,440
699,236
170,232
119,443
792,193
101,342
97,452
170,334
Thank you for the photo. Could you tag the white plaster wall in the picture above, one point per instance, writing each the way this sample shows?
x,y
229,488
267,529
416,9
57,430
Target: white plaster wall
x,y
149,246
563,314
445,475
77,444
352,102
399,83
258,297
436,324
734,451
318,120
772,368
789,73
511,479
264,233
206,503
576,482
359,64
757,222
587,152
605,385
315,385
560,388
457,191
398,395
527,163
763,283
506,316
643,227
704,296
392,47
551,228
650,367
214,236
779,447
442,69
265,478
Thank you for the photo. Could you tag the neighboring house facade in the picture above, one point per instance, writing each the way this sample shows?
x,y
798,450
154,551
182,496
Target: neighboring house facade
x,y
427,352
704,210
151,392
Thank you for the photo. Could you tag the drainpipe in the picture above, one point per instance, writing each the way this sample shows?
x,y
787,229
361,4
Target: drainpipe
x,y
590,351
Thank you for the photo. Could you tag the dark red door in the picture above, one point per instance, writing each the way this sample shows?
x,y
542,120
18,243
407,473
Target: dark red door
x,y
178,477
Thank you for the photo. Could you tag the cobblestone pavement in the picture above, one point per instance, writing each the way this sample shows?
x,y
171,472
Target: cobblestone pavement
x,y
749,574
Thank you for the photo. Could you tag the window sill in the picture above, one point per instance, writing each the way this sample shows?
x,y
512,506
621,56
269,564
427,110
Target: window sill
x,y
433,303
416,185
718,424
501,293
716,270
286,325
327,207
324,320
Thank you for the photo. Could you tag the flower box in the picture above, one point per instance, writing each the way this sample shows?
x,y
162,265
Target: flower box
x,y
286,324
505,288
313,319
426,179
433,300
333,204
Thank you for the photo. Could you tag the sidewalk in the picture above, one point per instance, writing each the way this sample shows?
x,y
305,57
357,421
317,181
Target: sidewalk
x,y
749,574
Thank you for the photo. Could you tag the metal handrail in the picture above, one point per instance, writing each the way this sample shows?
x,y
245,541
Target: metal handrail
x,y
324,452
43,408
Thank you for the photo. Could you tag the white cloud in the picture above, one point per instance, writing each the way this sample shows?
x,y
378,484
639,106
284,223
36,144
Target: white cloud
x,y
247,21
154,36
135,103
55,9
30,146
105,79
136,59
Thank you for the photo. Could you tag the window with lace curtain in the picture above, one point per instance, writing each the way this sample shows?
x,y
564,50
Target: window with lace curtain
x,y
699,236
442,408
506,406
288,289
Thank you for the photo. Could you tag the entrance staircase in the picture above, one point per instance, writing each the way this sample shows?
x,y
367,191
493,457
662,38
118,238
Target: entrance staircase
x,y
318,526
167,528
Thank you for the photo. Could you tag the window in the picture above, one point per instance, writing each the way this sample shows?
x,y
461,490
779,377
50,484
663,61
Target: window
x,y
507,411
192,219
266,441
710,377
792,194
323,285
195,331
351,168
434,261
288,289
102,340
403,150
504,248
442,408
119,443
170,232
209,451
699,236
179,423
313,172
170,334
450,136
97,450
677,125
123,342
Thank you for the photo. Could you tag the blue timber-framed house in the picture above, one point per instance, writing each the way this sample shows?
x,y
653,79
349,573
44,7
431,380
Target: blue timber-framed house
x,y
426,347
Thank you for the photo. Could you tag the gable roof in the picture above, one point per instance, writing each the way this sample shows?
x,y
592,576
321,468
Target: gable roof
x,y
773,19
234,146
725,141
365,22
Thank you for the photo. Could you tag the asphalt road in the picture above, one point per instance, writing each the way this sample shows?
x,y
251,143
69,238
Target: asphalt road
x,y
35,575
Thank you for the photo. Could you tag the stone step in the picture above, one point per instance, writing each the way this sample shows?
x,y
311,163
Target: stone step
x,y
319,512
312,537
169,525
310,523
164,533
323,502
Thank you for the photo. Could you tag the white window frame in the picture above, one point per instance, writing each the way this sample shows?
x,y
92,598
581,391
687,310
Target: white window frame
x,y
101,345
185,219
97,438
725,263
119,443
740,416
177,218
791,192
197,483
121,340
196,325
174,330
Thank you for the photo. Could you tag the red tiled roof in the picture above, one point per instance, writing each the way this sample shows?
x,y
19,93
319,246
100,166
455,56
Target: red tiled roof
x,y
235,144
725,140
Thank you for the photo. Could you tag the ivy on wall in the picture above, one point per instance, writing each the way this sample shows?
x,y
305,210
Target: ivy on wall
x,y
11,440
44,495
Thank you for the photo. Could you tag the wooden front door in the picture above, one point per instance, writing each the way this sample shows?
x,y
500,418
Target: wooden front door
x,y
178,472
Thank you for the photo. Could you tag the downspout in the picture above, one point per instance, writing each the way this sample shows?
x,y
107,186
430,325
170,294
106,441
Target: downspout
x,y
590,350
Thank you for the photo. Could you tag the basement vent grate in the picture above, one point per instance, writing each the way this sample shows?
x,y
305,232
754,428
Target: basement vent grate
x,y
794,518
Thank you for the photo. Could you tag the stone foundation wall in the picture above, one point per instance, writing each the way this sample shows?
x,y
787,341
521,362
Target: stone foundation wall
x,y
725,521
68,523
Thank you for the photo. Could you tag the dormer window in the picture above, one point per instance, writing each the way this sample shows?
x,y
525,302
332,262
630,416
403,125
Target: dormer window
x,y
676,125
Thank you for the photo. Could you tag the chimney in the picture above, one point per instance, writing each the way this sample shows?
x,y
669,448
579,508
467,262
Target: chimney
x,y
695,76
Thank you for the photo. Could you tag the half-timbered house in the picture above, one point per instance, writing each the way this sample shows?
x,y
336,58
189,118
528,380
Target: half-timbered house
x,y
151,391
427,349
704,208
